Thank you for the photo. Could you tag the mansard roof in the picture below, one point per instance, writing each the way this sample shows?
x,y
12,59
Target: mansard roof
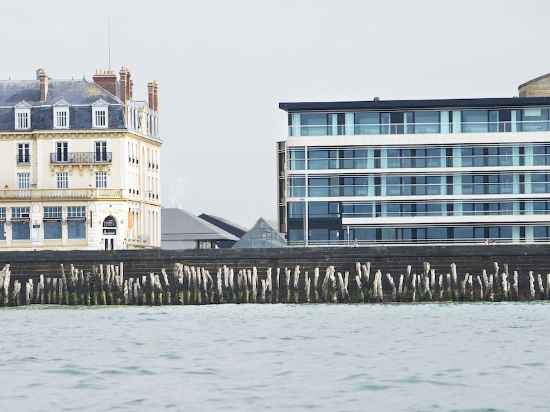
x,y
74,92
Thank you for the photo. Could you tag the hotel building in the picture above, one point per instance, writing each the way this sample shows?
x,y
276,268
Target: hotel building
x,y
79,164
417,171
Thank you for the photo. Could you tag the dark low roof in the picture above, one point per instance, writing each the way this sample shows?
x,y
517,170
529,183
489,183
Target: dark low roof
x,y
224,224
179,225
416,104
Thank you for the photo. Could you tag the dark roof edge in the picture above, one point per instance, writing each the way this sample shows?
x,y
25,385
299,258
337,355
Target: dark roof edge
x,y
415,104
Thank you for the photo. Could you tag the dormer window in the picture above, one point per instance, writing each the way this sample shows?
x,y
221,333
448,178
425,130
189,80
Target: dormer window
x,y
61,115
100,114
22,116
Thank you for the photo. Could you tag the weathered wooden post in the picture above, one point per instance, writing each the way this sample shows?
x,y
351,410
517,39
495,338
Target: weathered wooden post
x,y
392,286
307,287
316,285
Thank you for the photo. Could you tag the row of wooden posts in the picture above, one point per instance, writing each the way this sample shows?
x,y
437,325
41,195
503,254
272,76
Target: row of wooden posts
x,y
191,285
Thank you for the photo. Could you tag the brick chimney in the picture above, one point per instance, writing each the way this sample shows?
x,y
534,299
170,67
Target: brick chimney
x,y
156,95
151,95
41,75
125,84
106,79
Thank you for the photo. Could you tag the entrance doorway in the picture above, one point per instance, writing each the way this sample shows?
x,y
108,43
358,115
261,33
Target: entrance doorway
x,y
109,233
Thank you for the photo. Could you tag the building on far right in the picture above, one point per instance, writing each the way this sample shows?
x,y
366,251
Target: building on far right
x,y
417,171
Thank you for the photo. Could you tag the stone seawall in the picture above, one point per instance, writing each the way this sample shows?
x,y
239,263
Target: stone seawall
x,y
472,259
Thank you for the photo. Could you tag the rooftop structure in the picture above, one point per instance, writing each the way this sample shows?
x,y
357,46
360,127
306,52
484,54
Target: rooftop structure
x,y
182,230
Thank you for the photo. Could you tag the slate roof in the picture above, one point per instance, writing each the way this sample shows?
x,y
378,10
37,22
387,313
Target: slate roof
x,y
417,104
224,224
81,92
179,225
80,95
262,235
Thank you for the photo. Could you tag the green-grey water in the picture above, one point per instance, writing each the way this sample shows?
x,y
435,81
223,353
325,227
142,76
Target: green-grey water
x,y
425,357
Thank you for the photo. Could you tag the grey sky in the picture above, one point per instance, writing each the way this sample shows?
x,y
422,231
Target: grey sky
x,y
224,65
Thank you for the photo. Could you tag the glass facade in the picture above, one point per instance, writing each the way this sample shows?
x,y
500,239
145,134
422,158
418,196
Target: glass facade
x,y
497,120
464,188
452,156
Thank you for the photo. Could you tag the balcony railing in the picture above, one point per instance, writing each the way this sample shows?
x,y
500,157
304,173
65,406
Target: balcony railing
x,y
419,128
81,158
61,194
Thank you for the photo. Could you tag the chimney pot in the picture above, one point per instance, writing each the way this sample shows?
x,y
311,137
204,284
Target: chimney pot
x,y
43,78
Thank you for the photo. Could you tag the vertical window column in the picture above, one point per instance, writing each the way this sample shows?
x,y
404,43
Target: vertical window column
x,y
457,122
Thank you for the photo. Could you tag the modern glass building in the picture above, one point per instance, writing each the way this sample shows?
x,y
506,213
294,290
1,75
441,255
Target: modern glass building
x,y
417,171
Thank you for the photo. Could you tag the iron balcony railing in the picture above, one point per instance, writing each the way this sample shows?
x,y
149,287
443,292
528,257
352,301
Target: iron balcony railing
x,y
81,158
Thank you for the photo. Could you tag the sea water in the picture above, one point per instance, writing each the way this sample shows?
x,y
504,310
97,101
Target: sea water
x,y
392,357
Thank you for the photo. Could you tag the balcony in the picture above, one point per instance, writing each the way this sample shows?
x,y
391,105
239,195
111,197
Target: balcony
x,y
81,158
61,194
442,127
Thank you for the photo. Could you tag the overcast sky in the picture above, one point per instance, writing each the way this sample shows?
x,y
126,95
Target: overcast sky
x,y
223,66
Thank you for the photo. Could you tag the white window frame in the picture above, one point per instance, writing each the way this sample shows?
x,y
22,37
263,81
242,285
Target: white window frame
x,y
101,180
62,180
57,112
23,153
22,110
23,180
98,107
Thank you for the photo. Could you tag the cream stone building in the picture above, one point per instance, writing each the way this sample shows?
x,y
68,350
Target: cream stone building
x,y
79,164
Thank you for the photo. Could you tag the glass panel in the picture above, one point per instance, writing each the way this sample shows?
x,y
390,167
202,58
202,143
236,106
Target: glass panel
x,y
52,230
367,122
474,121
319,186
427,122
77,229
296,159
20,231
533,120
314,124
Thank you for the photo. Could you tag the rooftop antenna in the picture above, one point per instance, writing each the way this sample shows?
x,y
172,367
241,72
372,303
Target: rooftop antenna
x,y
109,39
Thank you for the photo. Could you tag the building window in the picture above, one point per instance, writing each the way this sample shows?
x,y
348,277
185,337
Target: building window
x,y
2,223
20,226
22,119
100,117
76,222
52,222
62,179
62,152
61,118
23,153
101,151
101,180
23,180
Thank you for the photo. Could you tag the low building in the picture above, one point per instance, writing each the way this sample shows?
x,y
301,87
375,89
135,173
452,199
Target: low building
x,y
225,225
417,171
79,164
262,235
182,230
